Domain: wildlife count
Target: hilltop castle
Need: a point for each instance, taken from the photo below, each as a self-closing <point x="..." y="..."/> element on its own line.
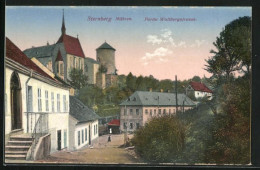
<point x="67" y="53"/>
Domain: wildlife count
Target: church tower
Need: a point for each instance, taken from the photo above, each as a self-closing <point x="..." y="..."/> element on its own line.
<point x="63" y="28"/>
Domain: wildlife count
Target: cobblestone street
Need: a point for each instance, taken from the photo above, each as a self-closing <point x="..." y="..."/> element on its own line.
<point x="102" y="152"/>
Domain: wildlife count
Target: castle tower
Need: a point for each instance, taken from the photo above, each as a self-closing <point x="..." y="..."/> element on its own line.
<point x="106" y="57"/>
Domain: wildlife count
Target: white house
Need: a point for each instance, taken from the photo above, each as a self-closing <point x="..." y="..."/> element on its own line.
<point x="35" y="104"/>
<point x="199" y="90"/>
<point x="83" y="125"/>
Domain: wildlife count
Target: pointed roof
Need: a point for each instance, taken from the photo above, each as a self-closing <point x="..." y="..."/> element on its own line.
<point x="197" y="86"/>
<point x="15" y="54"/>
<point x="59" y="57"/>
<point x="63" y="28"/>
<point x="72" y="45"/>
<point x="105" y="45"/>
<point x="146" y="98"/>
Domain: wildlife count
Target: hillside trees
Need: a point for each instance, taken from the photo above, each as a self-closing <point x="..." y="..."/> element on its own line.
<point x="78" y="78"/>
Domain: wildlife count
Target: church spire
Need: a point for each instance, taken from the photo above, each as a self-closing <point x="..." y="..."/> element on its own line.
<point x="63" y="28"/>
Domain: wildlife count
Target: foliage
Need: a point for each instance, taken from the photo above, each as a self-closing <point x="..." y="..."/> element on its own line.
<point x="196" y="78"/>
<point x="233" y="49"/>
<point x="78" y="78"/>
<point x="160" y="140"/>
<point x="102" y="69"/>
<point x="231" y="131"/>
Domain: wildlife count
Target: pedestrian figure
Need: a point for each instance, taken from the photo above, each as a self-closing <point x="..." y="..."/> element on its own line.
<point x="109" y="139"/>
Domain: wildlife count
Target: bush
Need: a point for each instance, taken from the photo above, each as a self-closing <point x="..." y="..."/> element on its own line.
<point x="160" y="140"/>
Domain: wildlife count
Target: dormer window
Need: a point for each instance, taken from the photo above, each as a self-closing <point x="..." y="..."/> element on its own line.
<point x="128" y="99"/>
<point x="134" y="99"/>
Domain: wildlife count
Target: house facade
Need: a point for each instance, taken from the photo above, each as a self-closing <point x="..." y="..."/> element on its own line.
<point x="141" y="106"/>
<point x="83" y="125"/>
<point x="34" y="99"/>
<point x="199" y="90"/>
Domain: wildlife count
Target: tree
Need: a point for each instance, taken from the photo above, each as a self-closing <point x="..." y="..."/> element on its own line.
<point x="233" y="49"/>
<point x="102" y="69"/>
<point x="131" y="81"/>
<point x="160" y="140"/>
<point x="196" y="78"/>
<point x="78" y="78"/>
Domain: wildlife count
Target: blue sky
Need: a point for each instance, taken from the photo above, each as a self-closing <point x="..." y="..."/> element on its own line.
<point x="142" y="47"/>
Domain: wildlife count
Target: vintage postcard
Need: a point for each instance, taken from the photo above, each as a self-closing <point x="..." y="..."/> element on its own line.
<point x="128" y="85"/>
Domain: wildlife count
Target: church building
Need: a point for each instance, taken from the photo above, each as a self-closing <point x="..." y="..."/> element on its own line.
<point x="61" y="57"/>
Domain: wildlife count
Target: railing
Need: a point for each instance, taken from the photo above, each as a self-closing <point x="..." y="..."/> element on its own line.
<point x="37" y="125"/>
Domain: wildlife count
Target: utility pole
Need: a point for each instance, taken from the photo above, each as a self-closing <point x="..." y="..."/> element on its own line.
<point x="176" y="93"/>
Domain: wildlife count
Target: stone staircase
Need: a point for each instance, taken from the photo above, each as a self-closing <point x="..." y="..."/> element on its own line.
<point x="17" y="147"/>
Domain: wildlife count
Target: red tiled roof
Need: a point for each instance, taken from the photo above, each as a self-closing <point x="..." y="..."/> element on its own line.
<point x="14" y="53"/>
<point x="59" y="57"/>
<point x="200" y="87"/>
<point x="72" y="45"/>
<point x="114" y="122"/>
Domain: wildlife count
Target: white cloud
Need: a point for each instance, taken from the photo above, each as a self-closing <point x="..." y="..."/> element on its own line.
<point x="198" y="43"/>
<point x="159" y="54"/>
<point x="166" y="33"/>
<point x="154" y="39"/>
<point x="182" y="44"/>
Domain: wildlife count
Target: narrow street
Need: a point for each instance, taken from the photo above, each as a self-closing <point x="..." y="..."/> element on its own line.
<point x="103" y="152"/>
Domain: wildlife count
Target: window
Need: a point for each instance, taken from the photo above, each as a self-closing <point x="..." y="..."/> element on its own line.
<point x="74" y="62"/>
<point x="151" y="112"/>
<point x="82" y="136"/>
<point x="96" y="129"/>
<point x="78" y="138"/>
<point x="131" y="125"/>
<point x="154" y="111"/>
<point x="61" y="69"/>
<point x="47" y="100"/>
<point x="64" y="103"/>
<point x="65" y="138"/>
<point x="134" y="99"/>
<point x="146" y="111"/>
<point x="125" y="125"/>
<point x="160" y="111"/>
<point x="170" y="111"/>
<point x="131" y="111"/>
<point x="174" y="111"/>
<point x="39" y="100"/>
<point x="164" y="111"/>
<point x="125" y="111"/>
<point x="137" y="125"/>
<point x="86" y="134"/>
<point x="52" y="101"/>
<point x="137" y="111"/>
<point x="79" y="64"/>
<point x="30" y="99"/>
<point x="57" y="66"/>
<point x="58" y="102"/>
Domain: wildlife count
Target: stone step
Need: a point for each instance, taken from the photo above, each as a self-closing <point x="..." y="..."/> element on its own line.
<point x="17" y="148"/>
<point x="16" y="152"/>
<point x="21" y="157"/>
<point x="20" y="143"/>
<point x="20" y="138"/>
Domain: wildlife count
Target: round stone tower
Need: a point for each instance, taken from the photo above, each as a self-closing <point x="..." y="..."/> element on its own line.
<point x="106" y="57"/>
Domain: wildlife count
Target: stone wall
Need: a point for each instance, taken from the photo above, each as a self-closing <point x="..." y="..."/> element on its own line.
<point x="111" y="80"/>
<point x="43" y="147"/>
<point x="101" y="80"/>
<point x="106" y="57"/>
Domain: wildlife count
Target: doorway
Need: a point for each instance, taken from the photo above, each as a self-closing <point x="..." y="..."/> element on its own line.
<point x="59" y="139"/>
<point x="16" y="102"/>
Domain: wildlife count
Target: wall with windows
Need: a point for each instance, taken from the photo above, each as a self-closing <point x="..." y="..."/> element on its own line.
<point x="40" y="100"/>
<point x="131" y="118"/>
<point x="74" y="62"/>
<point x="200" y="94"/>
<point x="81" y="133"/>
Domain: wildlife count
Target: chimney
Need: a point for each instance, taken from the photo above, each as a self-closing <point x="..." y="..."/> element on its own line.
<point x="151" y="89"/>
<point x="161" y="90"/>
